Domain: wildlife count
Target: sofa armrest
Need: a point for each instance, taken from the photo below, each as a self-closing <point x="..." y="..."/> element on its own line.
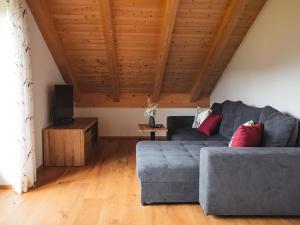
<point x="174" y="122"/>
<point x="250" y="181"/>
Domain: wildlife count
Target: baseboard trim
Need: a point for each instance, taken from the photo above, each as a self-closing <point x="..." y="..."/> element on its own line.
<point x="38" y="169"/>
<point x="5" y="186"/>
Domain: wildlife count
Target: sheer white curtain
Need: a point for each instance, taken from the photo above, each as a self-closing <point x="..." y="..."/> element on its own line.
<point x="24" y="149"/>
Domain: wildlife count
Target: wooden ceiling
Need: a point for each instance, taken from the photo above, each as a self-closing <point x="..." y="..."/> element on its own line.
<point x="118" y="52"/>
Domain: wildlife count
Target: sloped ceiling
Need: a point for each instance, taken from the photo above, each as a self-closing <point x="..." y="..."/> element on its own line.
<point x="116" y="53"/>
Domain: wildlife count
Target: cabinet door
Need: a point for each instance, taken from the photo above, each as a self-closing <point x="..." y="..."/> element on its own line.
<point x="62" y="148"/>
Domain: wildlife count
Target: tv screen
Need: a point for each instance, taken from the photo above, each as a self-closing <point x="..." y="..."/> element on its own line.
<point x="63" y="103"/>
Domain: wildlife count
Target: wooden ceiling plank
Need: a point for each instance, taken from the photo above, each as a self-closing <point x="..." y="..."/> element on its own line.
<point x="166" y="38"/>
<point x="42" y="17"/>
<point x="111" y="52"/>
<point x="230" y="19"/>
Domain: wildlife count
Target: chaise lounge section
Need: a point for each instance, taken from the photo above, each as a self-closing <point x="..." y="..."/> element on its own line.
<point x="169" y="170"/>
<point x="226" y="181"/>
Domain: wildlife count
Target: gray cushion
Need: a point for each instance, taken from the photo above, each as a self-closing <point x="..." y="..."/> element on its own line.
<point x="170" y="161"/>
<point x="182" y="134"/>
<point x="279" y="129"/>
<point x="216" y="108"/>
<point x="230" y="113"/>
<point x="247" y="113"/>
<point x="235" y="114"/>
<point x="298" y="137"/>
<point x="293" y="140"/>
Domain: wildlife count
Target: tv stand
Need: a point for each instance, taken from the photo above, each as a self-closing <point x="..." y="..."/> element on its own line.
<point x="70" y="144"/>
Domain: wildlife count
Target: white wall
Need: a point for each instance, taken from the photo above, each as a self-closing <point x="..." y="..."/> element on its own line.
<point x="45" y="75"/>
<point x="123" y="121"/>
<point x="266" y="68"/>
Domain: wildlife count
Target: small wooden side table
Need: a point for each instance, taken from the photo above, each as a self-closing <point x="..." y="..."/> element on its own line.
<point x="146" y="128"/>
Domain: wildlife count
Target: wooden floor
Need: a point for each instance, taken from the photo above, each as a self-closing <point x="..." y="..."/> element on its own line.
<point x="106" y="191"/>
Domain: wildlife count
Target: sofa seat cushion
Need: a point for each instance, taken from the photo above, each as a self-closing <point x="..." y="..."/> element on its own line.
<point x="170" y="161"/>
<point x="182" y="134"/>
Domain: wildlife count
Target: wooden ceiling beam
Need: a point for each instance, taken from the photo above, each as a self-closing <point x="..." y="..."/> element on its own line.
<point x="166" y="38"/>
<point x="42" y="17"/>
<point x="230" y="19"/>
<point x="139" y="100"/>
<point x="111" y="52"/>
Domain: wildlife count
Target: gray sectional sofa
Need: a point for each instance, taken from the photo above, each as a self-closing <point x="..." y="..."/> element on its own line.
<point x="191" y="167"/>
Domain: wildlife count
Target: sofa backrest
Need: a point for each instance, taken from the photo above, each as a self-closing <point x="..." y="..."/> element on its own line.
<point x="216" y="108"/>
<point x="174" y="122"/>
<point x="298" y="138"/>
<point x="294" y="138"/>
<point x="235" y="114"/>
<point x="280" y="130"/>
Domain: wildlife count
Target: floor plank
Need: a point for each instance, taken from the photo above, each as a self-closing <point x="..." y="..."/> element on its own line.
<point x="106" y="191"/>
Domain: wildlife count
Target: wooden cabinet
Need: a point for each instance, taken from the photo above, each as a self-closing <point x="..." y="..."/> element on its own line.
<point x="70" y="144"/>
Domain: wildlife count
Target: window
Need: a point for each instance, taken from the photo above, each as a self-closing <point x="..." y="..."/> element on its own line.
<point x="8" y="97"/>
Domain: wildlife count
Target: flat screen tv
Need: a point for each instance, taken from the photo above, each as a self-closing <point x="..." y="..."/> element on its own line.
<point x="63" y="104"/>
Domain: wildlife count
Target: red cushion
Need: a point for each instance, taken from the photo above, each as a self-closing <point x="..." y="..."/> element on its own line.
<point x="209" y="126"/>
<point x="247" y="136"/>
